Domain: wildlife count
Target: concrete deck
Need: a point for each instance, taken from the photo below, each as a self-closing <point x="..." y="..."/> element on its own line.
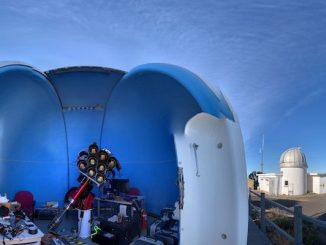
<point x="255" y="235"/>
<point x="312" y="204"/>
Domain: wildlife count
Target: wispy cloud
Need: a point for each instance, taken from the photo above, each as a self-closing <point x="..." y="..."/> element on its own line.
<point x="253" y="51"/>
<point x="304" y="100"/>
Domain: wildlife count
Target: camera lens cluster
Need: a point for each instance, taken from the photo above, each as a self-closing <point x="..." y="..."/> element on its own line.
<point x="97" y="163"/>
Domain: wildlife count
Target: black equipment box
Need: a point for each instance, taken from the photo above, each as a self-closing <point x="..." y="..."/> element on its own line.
<point x="46" y="213"/>
<point x="103" y="238"/>
<point x="148" y="241"/>
<point x="125" y="232"/>
<point x="157" y="226"/>
<point x="166" y="231"/>
<point x="168" y="237"/>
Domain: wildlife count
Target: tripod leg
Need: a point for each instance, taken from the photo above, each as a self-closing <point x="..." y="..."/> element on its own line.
<point x="57" y="220"/>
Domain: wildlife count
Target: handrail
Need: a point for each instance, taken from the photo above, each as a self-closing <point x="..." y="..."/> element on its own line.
<point x="264" y="219"/>
<point x="252" y="192"/>
<point x="296" y="212"/>
<point x="280" y="206"/>
<point x="280" y="230"/>
<point x="254" y="207"/>
<point x="314" y="221"/>
<point x="290" y="210"/>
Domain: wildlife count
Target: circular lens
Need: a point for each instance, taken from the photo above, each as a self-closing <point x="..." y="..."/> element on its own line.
<point x="83" y="154"/>
<point x="101" y="167"/>
<point x="91" y="172"/>
<point x="112" y="162"/>
<point x="100" y="178"/>
<point x="93" y="149"/>
<point x="103" y="155"/>
<point x="92" y="161"/>
<point x="82" y="165"/>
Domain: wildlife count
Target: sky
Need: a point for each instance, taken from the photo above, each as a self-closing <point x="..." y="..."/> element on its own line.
<point x="267" y="57"/>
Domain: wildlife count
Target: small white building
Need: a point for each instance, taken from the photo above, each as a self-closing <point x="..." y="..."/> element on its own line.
<point x="293" y="179"/>
<point x="317" y="183"/>
<point x="270" y="183"/>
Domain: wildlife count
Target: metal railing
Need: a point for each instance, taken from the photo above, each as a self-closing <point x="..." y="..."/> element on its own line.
<point x="298" y="217"/>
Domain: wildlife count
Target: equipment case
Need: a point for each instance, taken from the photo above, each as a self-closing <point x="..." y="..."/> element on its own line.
<point x="148" y="241"/>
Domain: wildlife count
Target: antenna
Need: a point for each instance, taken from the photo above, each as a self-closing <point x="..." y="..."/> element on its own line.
<point x="262" y="154"/>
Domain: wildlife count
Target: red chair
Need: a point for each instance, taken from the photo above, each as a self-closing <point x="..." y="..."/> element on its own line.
<point x="26" y="199"/>
<point x="134" y="191"/>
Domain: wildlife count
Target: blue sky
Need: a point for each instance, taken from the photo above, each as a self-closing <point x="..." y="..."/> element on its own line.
<point x="267" y="57"/>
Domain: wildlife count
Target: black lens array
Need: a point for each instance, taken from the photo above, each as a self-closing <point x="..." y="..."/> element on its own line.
<point x="97" y="164"/>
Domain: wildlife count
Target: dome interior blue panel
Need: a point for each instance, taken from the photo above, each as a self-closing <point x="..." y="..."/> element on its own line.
<point x="84" y="92"/>
<point x="142" y="115"/>
<point x="211" y="102"/>
<point x="46" y="121"/>
<point x="33" y="152"/>
<point x="80" y="86"/>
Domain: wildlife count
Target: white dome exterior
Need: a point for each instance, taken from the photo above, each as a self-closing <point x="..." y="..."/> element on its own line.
<point x="294" y="168"/>
<point x="293" y="158"/>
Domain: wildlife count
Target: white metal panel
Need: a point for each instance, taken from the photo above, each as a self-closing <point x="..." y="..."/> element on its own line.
<point x="263" y="184"/>
<point x="275" y="185"/>
<point x="270" y="183"/>
<point x="215" y="192"/>
<point x="278" y="182"/>
<point x="316" y="184"/>
<point x="280" y="185"/>
<point x="297" y="181"/>
<point x="322" y="185"/>
<point x="309" y="183"/>
<point x="272" y="186"/>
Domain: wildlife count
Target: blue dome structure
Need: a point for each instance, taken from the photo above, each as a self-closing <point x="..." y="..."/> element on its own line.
<point x="160" y="120"/>
<point x="33" y="146"/>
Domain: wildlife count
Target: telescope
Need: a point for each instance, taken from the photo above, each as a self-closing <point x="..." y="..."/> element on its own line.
<point x="95" y="166"/>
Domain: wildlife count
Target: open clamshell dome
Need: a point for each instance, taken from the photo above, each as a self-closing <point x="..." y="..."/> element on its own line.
<point x="148" y="106"/>
<point x="161" y="121"/>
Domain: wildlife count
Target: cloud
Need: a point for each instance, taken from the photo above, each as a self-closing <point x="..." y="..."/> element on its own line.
<point x="255" y="52"/>
<point x="306" y="100"/>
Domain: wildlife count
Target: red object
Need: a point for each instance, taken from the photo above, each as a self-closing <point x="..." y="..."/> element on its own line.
<point x="88" y="201"/>
<point x="144" y="220"/>
<point x="82" y="188"/>
<point x="80" y="200"/>
<point x="134" y="192"/>
<point x="57" y="220"/>
<point x="26" y="199"/>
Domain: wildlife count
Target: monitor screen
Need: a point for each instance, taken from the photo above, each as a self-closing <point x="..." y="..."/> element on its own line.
<point x="119" y="185"/>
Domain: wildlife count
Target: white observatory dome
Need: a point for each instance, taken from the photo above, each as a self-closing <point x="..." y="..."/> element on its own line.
<point x="293" y="158"/>
<point x="294" y="172"/>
